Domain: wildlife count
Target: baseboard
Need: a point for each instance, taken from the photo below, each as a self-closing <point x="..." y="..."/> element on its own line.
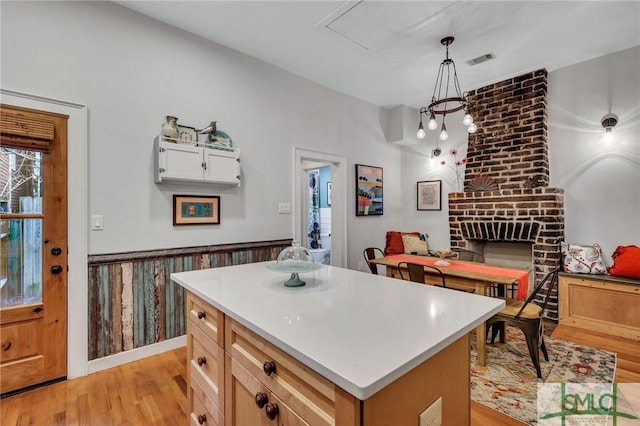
<point x="135" y="354"/>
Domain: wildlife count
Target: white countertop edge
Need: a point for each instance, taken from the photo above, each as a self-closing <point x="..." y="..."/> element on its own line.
<point x="362" y="392"/>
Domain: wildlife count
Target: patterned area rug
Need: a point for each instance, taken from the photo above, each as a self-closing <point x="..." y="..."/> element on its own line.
<point x="508" y="382"/>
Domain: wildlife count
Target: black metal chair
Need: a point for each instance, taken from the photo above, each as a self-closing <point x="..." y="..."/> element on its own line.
<point x="371" y="253"/>
<point x="527" y="316"/>
<point x="418" y="273"/>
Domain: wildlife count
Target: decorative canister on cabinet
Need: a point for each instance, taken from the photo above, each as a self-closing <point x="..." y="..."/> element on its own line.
<point x="169" y="130"/>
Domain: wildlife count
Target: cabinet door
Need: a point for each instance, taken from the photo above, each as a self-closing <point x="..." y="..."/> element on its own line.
<point x="240" y="402"/>
<point x="179" y="162"/>
<point x="221" y="166"/>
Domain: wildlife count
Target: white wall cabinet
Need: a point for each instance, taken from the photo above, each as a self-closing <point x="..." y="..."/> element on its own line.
<point x="189" y="163"/>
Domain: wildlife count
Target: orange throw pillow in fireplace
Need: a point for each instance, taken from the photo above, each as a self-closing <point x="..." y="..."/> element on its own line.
<point x="626" y="262"/>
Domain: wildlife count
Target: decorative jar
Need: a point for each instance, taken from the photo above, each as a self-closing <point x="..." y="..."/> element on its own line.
<point x="169" y="128"/>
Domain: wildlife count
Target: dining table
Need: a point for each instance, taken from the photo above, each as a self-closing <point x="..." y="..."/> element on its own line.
<point x="460" y="274"/>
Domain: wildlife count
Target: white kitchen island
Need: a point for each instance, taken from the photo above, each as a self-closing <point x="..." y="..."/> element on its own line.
<point x="349" y="348"/>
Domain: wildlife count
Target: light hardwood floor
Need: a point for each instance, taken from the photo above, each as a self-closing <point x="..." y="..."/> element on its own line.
<point x="152" y="391"/>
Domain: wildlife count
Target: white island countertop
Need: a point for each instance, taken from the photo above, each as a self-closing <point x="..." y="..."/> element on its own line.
<point x="359" y="330"/>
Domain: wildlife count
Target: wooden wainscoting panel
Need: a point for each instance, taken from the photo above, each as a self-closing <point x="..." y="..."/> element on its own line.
<point x="134" y="303"/>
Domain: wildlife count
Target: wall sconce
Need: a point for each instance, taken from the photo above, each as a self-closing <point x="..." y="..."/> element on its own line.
<point x="609" y="121"/>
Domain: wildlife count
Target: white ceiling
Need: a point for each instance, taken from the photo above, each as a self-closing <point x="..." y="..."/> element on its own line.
<point x="388" y="52"/>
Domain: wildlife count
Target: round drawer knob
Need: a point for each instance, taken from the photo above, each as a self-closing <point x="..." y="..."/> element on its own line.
<point x="202" y="419"/>
<point x="261" y="399"/>
<point x="272" y="411"/>
<point x="202" y="315"/>
<point x="269" y="367"/>
<point x="201" y="361"/>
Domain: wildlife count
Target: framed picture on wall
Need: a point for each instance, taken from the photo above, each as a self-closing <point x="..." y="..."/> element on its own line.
<point x="328" y="193"/>
<point x="196" y="210"/>
<point x="368" y="190"/>
<point x="429" y="194"/>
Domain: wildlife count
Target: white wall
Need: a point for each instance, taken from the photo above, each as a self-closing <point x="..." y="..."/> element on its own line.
<point x="131" y="71"/>
<point x="417" y="165"/>
<point x="601" y="183"/>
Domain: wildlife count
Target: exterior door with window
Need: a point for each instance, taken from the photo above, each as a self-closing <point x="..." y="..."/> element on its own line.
<point x="33" y="247"/>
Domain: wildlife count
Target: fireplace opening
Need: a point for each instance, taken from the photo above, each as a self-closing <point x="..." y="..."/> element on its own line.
<point x="508" y="254"/>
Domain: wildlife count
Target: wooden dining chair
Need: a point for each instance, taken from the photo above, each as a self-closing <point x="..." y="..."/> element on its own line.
<point x="527" y="316"/>
<point x="418" y="273"/>
<point x="371" y="253"/>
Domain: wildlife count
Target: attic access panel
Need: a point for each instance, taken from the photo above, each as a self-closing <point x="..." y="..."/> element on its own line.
<point x="369" y="24"/>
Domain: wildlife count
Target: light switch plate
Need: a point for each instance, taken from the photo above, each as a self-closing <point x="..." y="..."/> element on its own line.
<point x="97" y="222"/>
<point x="284" y="208"/>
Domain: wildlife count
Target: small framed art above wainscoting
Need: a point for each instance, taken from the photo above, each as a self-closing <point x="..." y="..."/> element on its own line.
<point x="132" y="301"/>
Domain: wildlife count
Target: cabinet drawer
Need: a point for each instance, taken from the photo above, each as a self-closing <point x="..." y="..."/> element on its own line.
<point x="204" y="411"/>
<point x="307" y="393"/>
<point x="206" y="363"/>
<point x="206" y="318"/>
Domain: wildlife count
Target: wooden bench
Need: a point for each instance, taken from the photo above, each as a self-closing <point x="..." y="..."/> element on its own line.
<point x="601" y="303"/>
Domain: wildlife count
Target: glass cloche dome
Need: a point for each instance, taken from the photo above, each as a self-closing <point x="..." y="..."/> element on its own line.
<point x="294" y="260"/>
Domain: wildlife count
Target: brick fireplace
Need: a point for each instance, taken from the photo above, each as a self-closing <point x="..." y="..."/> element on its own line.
<point x="507" y="198"/>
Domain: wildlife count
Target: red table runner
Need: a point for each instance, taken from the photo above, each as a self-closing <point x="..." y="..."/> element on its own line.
<point x="521" y="276"/>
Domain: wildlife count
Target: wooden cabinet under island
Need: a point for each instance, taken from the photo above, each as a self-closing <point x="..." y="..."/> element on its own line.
<point x="346" y="349"/>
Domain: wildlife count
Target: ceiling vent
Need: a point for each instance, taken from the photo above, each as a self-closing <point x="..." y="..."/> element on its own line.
<point x="480" y="59"/>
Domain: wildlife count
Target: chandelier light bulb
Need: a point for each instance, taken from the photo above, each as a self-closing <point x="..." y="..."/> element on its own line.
<point x="420" y="133"/>
<point x="443" y="134"/>
<point x="467" y="120"/>
<point x="432" y="124"/>
<point x="472" y="128"/>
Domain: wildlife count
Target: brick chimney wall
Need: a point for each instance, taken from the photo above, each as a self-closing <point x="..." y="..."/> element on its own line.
<point x="510" y="145"/>
<point x="511" y="148"/>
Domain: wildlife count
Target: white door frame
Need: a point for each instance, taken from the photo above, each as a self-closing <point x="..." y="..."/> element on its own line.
<point x="77" y="237"/>
<point x="338" y="199"/>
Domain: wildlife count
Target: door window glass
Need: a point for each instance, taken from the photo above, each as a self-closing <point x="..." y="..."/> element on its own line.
<point x="20" y="227"/>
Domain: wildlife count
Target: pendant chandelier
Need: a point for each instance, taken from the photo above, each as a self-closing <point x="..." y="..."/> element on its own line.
<point x="441" y="103"/>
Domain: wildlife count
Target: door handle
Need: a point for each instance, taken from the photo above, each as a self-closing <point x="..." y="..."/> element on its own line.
<point x="56" y="269"/>
<point x="56" y="251"/>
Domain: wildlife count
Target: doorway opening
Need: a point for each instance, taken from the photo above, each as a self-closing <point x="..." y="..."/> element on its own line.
<point x="319" y="214"/>
<point x="329" y="237"/>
